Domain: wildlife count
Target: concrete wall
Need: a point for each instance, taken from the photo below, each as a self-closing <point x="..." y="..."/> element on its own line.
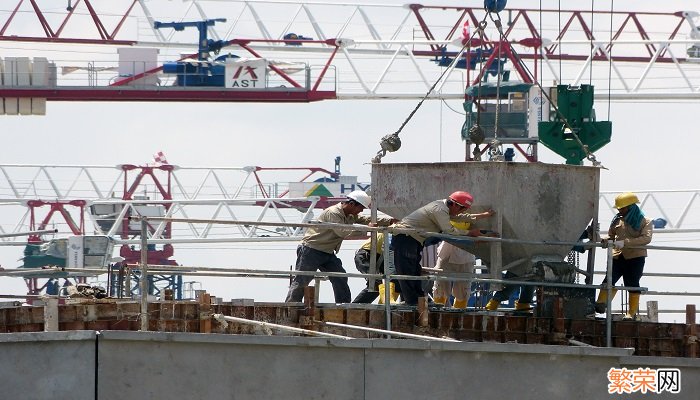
<point x="533" y="201"/>
<point x="47" y="365"/>
<point x="135" y="365"/>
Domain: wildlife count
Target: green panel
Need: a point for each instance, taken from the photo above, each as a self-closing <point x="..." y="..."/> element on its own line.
<point x="35" y="257"/>
<point x="510" y="124"/>
<point x="576" y="106"/>
<point x="593" y="134"/>
<point x="43" y="260"/>
<point x="489" y="89"/>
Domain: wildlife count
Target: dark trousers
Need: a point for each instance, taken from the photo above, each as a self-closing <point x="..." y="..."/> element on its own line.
<point x="362" y="259"/>
<point x="630" y="270"/>
<point x="407" y="256"/>
<point x="526" y="291"/>
<point x="309" y="259"/>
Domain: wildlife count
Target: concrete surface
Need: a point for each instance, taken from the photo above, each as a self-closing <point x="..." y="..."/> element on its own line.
<point x="47" y="365"/>
<point x="533" y="201"/>
<point x="152" y="365"/>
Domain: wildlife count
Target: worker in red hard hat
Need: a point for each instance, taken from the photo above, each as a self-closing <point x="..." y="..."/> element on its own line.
<point x="432" y="217"/>
<point x="319" y="246"/>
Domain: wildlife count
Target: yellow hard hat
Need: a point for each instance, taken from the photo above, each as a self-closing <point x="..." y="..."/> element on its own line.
<point x="625" y="199"/>
<point x="463" y="225"/>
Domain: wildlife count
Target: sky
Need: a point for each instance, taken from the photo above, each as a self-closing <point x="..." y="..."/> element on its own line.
<point x="653" y="148"/>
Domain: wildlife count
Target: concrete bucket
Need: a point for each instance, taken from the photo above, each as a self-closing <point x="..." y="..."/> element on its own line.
<point x="533" y="201"/>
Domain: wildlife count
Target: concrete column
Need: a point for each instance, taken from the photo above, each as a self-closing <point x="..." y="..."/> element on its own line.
<point x="50" y="315"/>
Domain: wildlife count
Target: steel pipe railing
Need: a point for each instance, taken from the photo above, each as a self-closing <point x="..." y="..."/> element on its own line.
<point x="147" y="270"/>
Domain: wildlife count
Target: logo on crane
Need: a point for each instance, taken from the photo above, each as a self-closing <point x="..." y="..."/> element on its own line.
<point x="246" y="74"/>
<point x="248" y="70"/>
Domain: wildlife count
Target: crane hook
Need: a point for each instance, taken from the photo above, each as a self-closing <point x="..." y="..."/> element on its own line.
<point x="389" y="143"/>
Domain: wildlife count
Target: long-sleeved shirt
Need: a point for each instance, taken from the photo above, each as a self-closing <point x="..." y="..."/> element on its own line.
<point x="367" y="245"/>
<point x="329" y="240"/>
<point x="621" y="231"/>
<point x="432" y="217"/>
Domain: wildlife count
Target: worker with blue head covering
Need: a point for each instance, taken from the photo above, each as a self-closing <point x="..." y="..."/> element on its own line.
<point x="629" y="228"/>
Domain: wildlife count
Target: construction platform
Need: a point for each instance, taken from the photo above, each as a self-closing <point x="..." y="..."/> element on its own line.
<point x="646" y="338"/>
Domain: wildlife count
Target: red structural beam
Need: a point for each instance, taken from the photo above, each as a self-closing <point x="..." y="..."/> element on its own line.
<point x="169" y="94"/>
<point x="51" y="35"/>
<point x="625" y="22"/>
<point x="56" y="207"/>
<point x="120" y="90"/>
<point x="453" y="17"/>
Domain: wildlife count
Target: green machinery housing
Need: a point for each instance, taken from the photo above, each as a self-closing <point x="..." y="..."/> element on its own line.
<point x="576" y="116"/>
<point x="515" y="100"/>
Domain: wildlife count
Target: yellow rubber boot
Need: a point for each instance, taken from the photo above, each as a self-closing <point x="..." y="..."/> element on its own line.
<point x="601" y="302"/>
<point x="460" y="303"/>
<point x="634" y="308"/>
<point x="440" y="300"/>
<point x="522" y="306"/>
<point x="492" y="305"/>
<point x="393" y="293"/>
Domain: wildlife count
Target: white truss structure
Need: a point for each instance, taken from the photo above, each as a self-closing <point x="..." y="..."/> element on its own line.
<point x="198" y="192"/>
<point x="388" y="34"/>
<point x="376" y="59"/>
<point x="226" y="194"/>
<point x="682" y="217"/>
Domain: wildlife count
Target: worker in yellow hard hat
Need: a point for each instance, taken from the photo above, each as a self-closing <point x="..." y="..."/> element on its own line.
<point x="628" y="228"/>
<point x="362" y="263"/>
<point x="452" y="259"/>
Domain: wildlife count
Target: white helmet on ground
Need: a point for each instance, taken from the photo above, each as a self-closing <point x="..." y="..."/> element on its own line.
<point x="360" y="197"/>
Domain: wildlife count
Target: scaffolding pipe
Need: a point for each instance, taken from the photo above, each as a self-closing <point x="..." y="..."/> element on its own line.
<point x="608" y="301"/>
<point x="386" y="332"/>
<point x="29" y="233"/>
<point x="365" y="228"/>
<point x="223" y="318"/>
<point x="144" y="274"/>
<point x="388" y="263"/>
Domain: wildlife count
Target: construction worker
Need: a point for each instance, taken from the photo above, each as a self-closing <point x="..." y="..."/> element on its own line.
<point x="628" y="228"/>
<point x="453" y="259"/>
<point x="319" y="246"/>
<point x="524" y="299"/>
<point x="432" y="217"/>
<point x="362" y="261"/>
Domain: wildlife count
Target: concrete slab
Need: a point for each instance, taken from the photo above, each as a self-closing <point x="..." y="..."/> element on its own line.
<point x="47" y="365"/>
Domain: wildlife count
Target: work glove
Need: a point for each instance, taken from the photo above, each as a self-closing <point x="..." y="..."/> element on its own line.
<point x="619" y="244"/>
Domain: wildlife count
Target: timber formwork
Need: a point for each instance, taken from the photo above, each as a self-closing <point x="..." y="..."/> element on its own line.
<point x="647" y="338"/>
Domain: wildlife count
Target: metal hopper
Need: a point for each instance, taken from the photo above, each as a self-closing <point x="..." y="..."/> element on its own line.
<point x="534" y="202"/>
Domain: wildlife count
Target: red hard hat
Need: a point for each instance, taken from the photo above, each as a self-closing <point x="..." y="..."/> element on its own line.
<point x="464" y="199"/>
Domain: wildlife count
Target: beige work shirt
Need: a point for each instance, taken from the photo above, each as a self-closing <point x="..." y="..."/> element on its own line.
<point x="329" y="240"/>
<point x="367" y="245"/>
<point x="432" y="217"/>
<point x="642" y="237"/>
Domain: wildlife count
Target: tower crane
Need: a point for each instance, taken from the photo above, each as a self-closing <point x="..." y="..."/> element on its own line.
<point x="366" y="59"/>
<point x="155" y="190"/>
<point x="347" y="55"/>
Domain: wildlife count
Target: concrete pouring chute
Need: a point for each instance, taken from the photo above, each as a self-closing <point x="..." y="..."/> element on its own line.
<point x="533" y="202"/>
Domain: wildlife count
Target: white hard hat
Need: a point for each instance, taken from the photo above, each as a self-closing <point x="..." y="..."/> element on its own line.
<point x="360" y="197"/>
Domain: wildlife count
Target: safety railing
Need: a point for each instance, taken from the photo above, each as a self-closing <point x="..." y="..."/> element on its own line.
<point x="145" y="270"/>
